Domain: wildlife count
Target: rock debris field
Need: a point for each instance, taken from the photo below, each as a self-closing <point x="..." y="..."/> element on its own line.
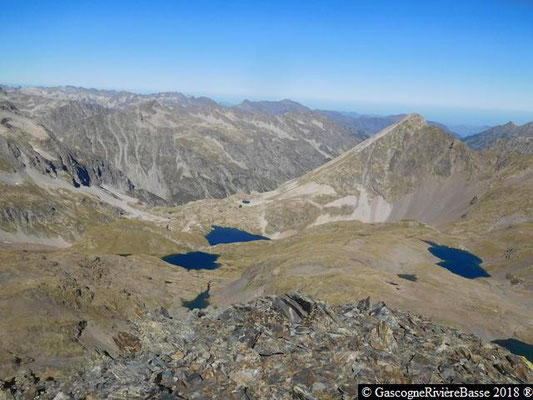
<point x="284" y="347"/>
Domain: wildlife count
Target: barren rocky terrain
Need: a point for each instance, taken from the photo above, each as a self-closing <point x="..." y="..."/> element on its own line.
<point x="289" y="346"/>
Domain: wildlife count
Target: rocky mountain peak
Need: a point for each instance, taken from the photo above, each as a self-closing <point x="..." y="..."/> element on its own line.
<point x="408" y="125"/>
<point x="413" y="121"/>
<point x="386" y="178"/>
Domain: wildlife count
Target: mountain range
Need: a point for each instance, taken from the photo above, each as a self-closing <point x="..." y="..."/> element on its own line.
<point x="99" y="186"/>
<point x="181" y="148"/>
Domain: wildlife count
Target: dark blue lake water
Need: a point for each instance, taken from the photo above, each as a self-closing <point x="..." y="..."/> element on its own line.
<point x="194" y="260"/>
<point x="220" y="234"/>
<point x="459" y="262"/>
<point x="200" y="301"/>
<point x="517" y="347"/>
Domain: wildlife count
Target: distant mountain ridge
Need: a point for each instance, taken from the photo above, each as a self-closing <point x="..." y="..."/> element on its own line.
<point x="365" y="124"/>
<point x="372" y="124"/>
<point x="508" y="137"/>
<point x="273" y="107"/>
<point x="463" y="130"/>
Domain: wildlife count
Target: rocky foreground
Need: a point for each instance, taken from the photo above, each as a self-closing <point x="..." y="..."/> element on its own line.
<point x="278" y="348"/>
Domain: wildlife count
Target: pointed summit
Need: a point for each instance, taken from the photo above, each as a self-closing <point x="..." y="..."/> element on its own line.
<point x="388" y="176"/>
<point x="415" y="118"/>
<point x="409" y="124"/>
<point x="411" y="121"/>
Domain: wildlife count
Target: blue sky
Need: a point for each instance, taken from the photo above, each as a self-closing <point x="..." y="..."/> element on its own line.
<point x="459" y="61"/>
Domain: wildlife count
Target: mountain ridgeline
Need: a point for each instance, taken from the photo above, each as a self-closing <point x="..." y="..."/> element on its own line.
<point x="411" y="169"/>
<point x="180" y="148"/>
<point x="508" y="137"/>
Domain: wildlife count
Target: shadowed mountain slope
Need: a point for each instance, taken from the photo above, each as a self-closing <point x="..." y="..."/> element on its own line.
<point x="49" y="194"/>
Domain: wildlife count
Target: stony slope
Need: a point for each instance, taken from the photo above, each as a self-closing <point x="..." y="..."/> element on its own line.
<point x="28" y="144"/>
<point x="504" y="137"/>
<point x="30" y="147"/>
<point x="288" y="346"/>
<point x="213" y="152"/>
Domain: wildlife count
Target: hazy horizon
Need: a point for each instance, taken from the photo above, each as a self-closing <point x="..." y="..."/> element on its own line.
<point x="446" y="115"/>
<point x="457" y="62"/>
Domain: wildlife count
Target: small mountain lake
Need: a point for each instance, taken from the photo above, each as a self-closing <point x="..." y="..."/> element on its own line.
<point x="194" y="260"/>
<point x="517" y="347"/>
<point x="200" y="301"/>
<point x="198" y="260"/>
<point x="459" y="262"/>
<point x="220" y="234"/>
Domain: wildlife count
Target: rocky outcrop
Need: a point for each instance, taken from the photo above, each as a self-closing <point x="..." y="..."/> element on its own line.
<point x="289" y="346"/>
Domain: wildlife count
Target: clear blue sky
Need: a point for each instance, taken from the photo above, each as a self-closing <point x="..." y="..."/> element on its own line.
<point x="454" y="60"/>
